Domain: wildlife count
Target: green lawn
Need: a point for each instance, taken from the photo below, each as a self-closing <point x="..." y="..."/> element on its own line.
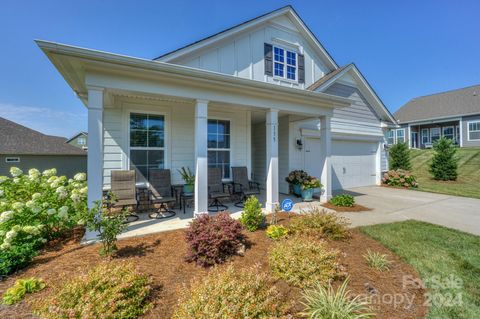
<point x="438" y="253"/>
<point x="468" y="182"/>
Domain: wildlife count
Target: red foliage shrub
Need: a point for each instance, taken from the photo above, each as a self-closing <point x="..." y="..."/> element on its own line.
<point x="212" y="239"/>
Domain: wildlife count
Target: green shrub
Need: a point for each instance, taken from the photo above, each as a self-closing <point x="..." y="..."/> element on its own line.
<point x="302" y="261"/>
<point x="276" y="231"/>
<point x="213" y="239"/>
<point x="20" y="288"/>
<point x="34" y="208"/>
<point x="108" y="225"/>
<point x="319" y="223"/>
<point x="343" y="200"/>
<point x="230" y="293"/>
<point x="399" y="178"/>
<point x="111" y="290"/>
<point x="377" y="261"/>
<point x="399" y="157"/>
<point x="321" y="302"/>
<point x="252" y="216"/>
<point x="445" y="162"/>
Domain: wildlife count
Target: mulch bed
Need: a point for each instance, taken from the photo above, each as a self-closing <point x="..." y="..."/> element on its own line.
<point x="162" y="257"/>
<point x="356" y="208"/>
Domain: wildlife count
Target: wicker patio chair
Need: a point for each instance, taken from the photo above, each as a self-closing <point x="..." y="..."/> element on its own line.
<point x="161" y="192"/>
<point x="243" y="186"/>
<point x="216" y="190"/>
<point x="124" y="189"/>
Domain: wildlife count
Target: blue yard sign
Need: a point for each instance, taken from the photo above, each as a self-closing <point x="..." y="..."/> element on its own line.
<point x="287" y="205"/>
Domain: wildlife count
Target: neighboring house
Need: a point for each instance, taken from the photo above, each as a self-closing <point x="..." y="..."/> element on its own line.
<point x="79" y="140"/>
<point x="25" y="148"/>
<point x="453" y="114"/>
<point x="264" y="94"/>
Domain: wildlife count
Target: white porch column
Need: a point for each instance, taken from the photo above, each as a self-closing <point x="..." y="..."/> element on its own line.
<point x="272" y="160"/>
<point x="95" y="145"/>
<point x="326" y="150"/>
<point x="201" y="160"/>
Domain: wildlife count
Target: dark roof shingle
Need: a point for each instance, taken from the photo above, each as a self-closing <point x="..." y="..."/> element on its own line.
<point x="16" y="139"/>
<point x="315" y="85"/>
<point x="451" y="103"/>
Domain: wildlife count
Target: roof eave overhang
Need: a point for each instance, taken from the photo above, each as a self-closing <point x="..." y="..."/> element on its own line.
<point x="60" y="55"/>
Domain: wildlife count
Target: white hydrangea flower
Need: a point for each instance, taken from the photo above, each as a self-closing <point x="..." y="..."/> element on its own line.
<point x="36" y="196"/>
<point x="80" y="177"/>
<point x="45" y="205"/>
<point x="30" y="203"/>
<point x="33" y="172"/>
<point x="17" y="228"/>
<point x="5" y="246"/>
<point x="36" y="209"/>
<point x="81" y="222"/>
<point x="17" y="206"/>
<point x="51" y="179"/>
<point x="3" y="179"/>
<point x="75" y="197"/>
<point x="61" y="189"/>
<point x="50" y="172"/>
<point x="15" y="171"/>
<point x="10" y="234"/>
<point x="84" y="190"/>
<point x="16" y="180"/>
<point x="33" y="230"/>
<point x="51" y="211"/>
<point x="6" y="216"/>
<point x="63" y="212"/>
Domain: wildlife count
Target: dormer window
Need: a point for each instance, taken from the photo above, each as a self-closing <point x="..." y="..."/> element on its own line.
<point x="285" y="63"/>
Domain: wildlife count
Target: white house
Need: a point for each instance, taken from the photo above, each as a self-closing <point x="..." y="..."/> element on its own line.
<point x="264" y="94"/>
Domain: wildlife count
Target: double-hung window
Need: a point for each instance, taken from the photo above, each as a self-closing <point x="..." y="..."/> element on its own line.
<point x="147" y="144"/>
<point x="219" y="146"/>
<point x="425" y="136"/>
<point x="448" y="132"/>
<point x="474" y="131"/>
<point x="391" y="137"/>
<point x="434" y="134"/>
<point x="401" y="135"/>
<point x="284" y="63"/>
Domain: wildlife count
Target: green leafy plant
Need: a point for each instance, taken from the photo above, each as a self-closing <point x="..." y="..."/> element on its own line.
<point x="303" y="261"/>
<point x="21" y="288"/>
<point x="377" y="261"/>
<point x="276" y="231"/>
<point x="187" y="175"/>
<point x="399" y="157"/>
<point x="213" y="239"/>
<point x="321" y="302"/>
<point x="252" y="217"/>
<point x="445" y="162"/>
<point x="319" y="223"/>
<point x="34" y="208"/>
<point x="296" y="177"/>
<point x="311" y="182"/>
<point x="108" y="225"/>
<point x="343" y="200"/>
<point x="400" y="178"/>
<point x="231" y="293"/>
<point x="113" y="290"/>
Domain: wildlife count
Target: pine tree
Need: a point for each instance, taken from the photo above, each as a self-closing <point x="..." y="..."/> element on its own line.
<point x="400" y="157"/>
<point x="445" y="162"/>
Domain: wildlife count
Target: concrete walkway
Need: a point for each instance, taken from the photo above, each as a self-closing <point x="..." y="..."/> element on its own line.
<point x="390" y="205"/>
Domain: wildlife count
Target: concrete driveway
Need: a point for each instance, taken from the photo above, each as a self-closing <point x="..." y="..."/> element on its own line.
<point x="390" y="205"/>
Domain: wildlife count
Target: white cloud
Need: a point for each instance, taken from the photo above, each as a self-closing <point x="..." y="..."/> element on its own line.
<point x="44" y="119"/>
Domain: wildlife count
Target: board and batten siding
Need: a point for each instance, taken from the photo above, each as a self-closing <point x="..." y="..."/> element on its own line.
<point x="243" y="55"/>
<point x="179" y="143"/>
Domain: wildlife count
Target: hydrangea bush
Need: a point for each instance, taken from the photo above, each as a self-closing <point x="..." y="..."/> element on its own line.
<point x="35" y="208"/>
<point x="400" y="178"/>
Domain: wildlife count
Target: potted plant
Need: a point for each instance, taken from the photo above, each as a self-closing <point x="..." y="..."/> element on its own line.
<point x="308" y="186"/>
<point x="295" y="178"/>
<point x="188" y="178"/>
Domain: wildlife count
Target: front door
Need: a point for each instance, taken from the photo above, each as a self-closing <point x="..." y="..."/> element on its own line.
<point x="312" y="157"/>
<point x="414" y="139"/>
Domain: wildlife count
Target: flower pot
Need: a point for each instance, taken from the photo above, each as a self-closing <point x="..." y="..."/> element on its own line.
<point x="307" y="194"/>
<point x="297" y="189"/>
<point x="188" y="188"/>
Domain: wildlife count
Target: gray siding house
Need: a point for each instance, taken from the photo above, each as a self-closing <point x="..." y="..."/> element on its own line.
<point x="26" y="148"/>
<point x="79" y="140"/>
<point x="453" y="114"/>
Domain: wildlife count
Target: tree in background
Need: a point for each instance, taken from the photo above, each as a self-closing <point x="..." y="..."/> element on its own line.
<point x="445" y="162"/>
<point x="399" y="157"/>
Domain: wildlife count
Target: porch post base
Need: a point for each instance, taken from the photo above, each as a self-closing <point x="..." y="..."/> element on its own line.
<point x="270" y="207"/>
<point x="324" y="198"/>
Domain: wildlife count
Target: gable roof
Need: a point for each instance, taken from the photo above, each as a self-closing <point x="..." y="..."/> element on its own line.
<point x="20" y="140"/>
<point x="75" y="136"/>
<point x="286" y="10"/>
<point x="464" y="101"/>
<point x="324" y="82"/>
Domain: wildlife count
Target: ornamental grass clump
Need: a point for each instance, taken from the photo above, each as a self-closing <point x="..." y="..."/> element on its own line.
<point x="231" y="293"/>
<point x="252" y="217"/>
<point x="34" y="208"/>
<point x="319" y="223"/>
<point x="377" y="260"/>
<point x="303" y="261"/>
<point x="113" y="290"/>
<point x="399" y="178"/>
<point x="213" y="239"/>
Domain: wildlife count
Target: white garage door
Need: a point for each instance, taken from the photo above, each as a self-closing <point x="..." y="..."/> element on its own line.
<point x="353" y="164"/>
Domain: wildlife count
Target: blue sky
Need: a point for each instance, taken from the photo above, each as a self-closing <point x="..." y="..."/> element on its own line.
<point x="404" y="48"/>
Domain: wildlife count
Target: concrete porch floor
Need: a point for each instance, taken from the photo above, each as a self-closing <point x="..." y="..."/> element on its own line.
<point x="146" y="225"/>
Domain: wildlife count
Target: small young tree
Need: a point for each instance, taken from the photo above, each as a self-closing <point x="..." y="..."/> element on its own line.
<point x="445" y="162"/>
<point x="400" y="157"/>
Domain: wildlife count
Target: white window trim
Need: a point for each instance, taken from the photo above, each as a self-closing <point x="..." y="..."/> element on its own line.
<point x="284" y="77"/>
<point x="396" y="135"/>
<point x="429" y="141"/>
<point x="230" y="150"/>
<point x="392" y="137"/>
<point x="453" y="131"/>
<point x="468" y="130"/>
<point x="12" y="159"/>
<point x="439" y="133"/>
